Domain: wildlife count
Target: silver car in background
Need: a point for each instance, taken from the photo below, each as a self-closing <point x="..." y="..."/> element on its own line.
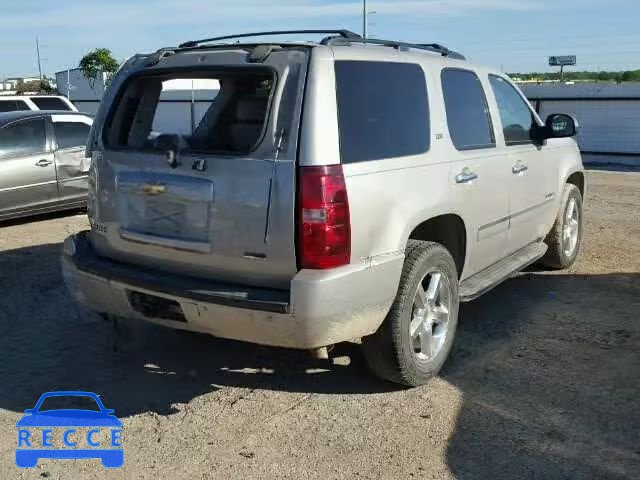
<point x="43" y="167"/>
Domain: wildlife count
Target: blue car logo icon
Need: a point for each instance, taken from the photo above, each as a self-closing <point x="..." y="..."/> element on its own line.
<point x="29" y="452"/>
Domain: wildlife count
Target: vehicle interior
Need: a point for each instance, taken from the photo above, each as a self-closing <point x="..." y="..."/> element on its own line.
<point x="232" y="123"/>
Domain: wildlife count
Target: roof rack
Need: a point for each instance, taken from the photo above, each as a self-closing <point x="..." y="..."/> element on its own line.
<point x="346" y="34"/>
<point x="431" y="47"/>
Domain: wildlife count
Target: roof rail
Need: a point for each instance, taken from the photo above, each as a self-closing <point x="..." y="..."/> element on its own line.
<point x="340" y="34"/>
<point x="431" y="47"/>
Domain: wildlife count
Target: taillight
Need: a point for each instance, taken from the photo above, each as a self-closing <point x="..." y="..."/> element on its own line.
<point x="325" y="227"/>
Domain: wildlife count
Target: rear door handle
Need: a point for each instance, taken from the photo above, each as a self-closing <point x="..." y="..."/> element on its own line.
<point x="44" y="163"/>
<point x="519" y="168"/>
<point x="466" y="176"/>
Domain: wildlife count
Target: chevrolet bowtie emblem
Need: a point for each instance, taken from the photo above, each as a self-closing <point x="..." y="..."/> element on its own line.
<point x="154" y="189"/>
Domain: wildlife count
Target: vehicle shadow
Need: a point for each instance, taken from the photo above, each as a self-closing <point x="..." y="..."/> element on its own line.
<point x="548" y="366"/>
<point x="42" y="217"/>
<point x="49" y="343"/>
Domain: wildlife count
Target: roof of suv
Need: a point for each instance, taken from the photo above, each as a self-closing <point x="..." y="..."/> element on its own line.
<point x="7" y="117"/>
<point x="28" y="97"/>
<point x="337" y="40"/>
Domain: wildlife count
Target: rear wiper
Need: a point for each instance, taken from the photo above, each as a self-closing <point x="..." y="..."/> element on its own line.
<point x="172" y="145"/>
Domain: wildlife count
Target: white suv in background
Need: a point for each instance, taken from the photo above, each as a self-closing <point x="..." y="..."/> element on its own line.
<point x="35" y="102"/>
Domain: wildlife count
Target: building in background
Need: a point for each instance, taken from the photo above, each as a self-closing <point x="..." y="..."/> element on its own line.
<point x="608" y="113"/>
<point x="85" y="93"/>
<point x="182" y="101"/>
<point x="9" y="85"/>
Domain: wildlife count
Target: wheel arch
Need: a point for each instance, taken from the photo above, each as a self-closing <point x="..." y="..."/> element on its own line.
<point x="450" y="231"/>
<point x="577" y="179"/>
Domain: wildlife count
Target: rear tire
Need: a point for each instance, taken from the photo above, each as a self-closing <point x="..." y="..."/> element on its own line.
<point x="565" y="237"/>
<point x="413" y="342"/>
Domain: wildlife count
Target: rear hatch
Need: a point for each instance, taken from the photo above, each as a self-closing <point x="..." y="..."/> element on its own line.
<point x="195" y="162"/>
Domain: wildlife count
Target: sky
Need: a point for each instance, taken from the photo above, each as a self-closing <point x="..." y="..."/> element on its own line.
<point x="514" y="35"/>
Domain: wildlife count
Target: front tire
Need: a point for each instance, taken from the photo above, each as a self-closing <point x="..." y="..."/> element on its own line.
<point x="565" y="237"/>
<point x="413" y="342"/>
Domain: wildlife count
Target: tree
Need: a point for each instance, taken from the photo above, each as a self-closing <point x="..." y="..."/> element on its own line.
<point x="37" y="86"/>
<point x="98" y="61"/>
<point x="630" y="76"/>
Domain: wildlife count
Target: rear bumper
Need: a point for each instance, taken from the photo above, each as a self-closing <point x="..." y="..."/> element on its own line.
<point x="321" y="308"/>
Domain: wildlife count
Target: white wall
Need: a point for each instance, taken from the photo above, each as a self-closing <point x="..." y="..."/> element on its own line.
<point x="173" y="114"/>
<point x="609" y="116"/>
<point x="606" y="125"/>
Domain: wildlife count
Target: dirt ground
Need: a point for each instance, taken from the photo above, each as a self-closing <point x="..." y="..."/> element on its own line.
<point x="543" y="382"/>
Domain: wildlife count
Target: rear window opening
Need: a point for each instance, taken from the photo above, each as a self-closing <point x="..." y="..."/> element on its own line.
<point x="209" y="112"/>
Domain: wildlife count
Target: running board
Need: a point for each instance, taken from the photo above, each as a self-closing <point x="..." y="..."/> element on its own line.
<point x="490" y="277"/>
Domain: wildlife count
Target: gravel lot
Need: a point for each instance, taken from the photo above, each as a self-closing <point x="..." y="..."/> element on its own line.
<point x="544" y="380"/>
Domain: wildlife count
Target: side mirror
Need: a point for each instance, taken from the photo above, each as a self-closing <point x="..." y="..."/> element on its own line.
<point x="560" y="125"/>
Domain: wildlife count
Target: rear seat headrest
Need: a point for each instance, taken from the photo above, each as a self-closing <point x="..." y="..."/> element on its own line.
<point x="251" y="110"/>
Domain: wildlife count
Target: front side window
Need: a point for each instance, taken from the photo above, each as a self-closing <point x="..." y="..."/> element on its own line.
<point x="467" y="111"/>
<point x="50" y="103"/>
<point x="23" y="138"/>
<point x="516" y="116"/>
<point x="383" y="110"/>
<point x="71" y="134"/>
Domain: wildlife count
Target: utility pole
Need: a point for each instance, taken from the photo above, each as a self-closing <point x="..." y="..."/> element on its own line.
<point x="38" y="52"/>
<point x="364" y="19"/>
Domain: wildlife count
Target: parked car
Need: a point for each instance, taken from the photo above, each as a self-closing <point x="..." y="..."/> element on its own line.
<point x="337" y="190"/>
<point x="12" y="103"/>
<point x="43" y="166"/>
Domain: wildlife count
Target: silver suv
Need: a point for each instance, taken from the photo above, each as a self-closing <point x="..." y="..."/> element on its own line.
<point x="336" y="190"/>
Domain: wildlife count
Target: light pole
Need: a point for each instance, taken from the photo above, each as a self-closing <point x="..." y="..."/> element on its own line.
<point x="38" y="53"/>
<point x="364" y="18"/>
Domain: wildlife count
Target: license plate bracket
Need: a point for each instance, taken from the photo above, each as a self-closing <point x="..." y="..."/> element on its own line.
<point x="156" y="307"/>
<point x="175" y="213"/>
<point x="165" y="218"/>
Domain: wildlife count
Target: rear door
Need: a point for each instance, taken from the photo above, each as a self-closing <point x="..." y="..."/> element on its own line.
<point x="72" y="167"/>
<point x="478" y="170"/>
<point x="218" y="202"/>
<point x="27" y="169"/>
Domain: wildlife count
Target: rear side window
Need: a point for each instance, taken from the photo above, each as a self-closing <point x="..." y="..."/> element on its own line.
<point x="467" y="111"/>
<point x="383" y="110"/>
<point x="50" y="103"/>
<point x="515" y="114"/>
<point x="71" y="134"/>
<point x="13" y="105"/>
<point x="23" y="138"/>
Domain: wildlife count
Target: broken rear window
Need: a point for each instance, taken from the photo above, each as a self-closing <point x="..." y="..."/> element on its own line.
<point x="223" y="112"/>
